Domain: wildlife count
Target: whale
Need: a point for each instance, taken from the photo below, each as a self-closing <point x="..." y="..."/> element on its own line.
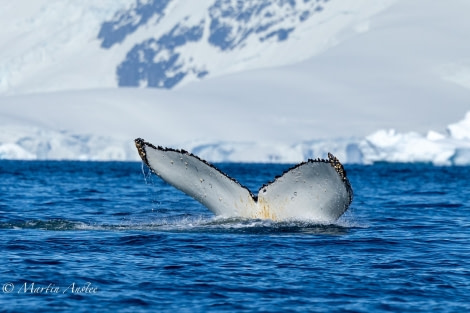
<point x="314" y="190"/>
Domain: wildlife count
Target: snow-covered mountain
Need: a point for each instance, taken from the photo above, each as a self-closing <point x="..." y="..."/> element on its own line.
<point x="52" y="45"/>
<point x="264" y="80"/>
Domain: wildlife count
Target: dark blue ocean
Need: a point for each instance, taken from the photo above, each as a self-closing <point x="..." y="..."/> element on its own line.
<point x="106" y="237"/>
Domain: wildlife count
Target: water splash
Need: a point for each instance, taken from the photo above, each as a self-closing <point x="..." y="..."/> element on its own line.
<point x="189" y="224"/>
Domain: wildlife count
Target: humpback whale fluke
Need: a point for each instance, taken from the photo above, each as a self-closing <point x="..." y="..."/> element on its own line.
<point x="315" y="190"/>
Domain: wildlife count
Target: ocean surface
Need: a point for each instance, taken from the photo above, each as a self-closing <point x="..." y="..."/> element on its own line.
<point x="110" y="237"/>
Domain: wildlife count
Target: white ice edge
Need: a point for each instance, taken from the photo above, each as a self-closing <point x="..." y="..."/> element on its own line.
<point x="450" y="148"/>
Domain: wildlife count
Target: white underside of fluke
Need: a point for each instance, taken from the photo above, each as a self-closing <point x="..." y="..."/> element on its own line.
<point x="313" y="190"/>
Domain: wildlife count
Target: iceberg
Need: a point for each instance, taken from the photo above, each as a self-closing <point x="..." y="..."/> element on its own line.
<point x="32" y="143"/>
<point x="451" y="148"/>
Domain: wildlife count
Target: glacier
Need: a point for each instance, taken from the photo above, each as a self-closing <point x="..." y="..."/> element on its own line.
<point x="236" y="81"/>
<point x="388" y="145"/>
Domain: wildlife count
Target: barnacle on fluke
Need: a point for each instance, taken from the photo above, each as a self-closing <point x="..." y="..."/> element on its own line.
<point x="315" y="190"/>
<point x="342" y="172"/>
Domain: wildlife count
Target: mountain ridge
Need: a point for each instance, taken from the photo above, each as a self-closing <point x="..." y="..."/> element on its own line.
<point x="164" y="44"/>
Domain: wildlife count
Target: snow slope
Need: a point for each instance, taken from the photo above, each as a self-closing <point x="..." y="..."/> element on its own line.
<point x="50" y="45"/>
<point x="389" y="85"/>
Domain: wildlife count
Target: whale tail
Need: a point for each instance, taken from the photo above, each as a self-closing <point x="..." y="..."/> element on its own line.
<point x="315" y="190"/>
